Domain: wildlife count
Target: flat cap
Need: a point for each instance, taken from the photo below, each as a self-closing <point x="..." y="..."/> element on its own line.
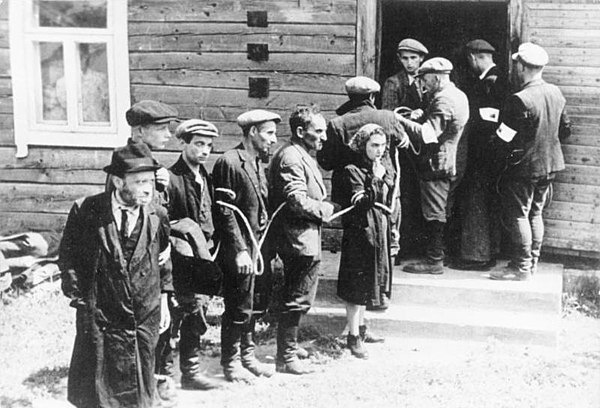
<point x="196" y="127"/>
<point x="437" y="65"/>
<point x="480" y="45"/>
<point x="408" y="44"/>
<point x="531" y="54"/>
<point x="150" y="112"/>
<point x="131" y="158"/>
<point x="257" y="116"/>
<point x="361" y="85"/>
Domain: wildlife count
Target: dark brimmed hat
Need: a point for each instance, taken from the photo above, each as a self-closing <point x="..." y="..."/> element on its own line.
<point x="480" y="46"/>
<point x="132" y="158"/>
<point x="148" y="112"/>
<point x="437" y="65"/>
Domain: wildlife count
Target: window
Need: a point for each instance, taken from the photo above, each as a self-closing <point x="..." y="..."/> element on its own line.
<point x="68" y="59"/>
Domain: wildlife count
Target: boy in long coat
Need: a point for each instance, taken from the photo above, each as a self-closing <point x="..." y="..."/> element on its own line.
<point x="109" y="261"/>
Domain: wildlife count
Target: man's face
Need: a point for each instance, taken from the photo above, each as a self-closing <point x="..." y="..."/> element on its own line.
<point x="429" y="83"/>
<point x="136" y="189"/>
<point x="315" y="133"/>
<point x="262" y="137"/>
<point x="472" y="61"/>
<point x="197" y="151"/>
<point x="375" y="147"/>
<point x="411" y="61"/>
<point x="155" y="135"/>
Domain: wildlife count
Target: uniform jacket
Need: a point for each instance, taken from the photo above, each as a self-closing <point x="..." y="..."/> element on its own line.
<point x="397" y="91"/>
<point x="336" y="154"/>
<point x="118" y="304"/>
<point x="447" y="114"/>
<point x="296" y="180"/>
<point x="537" y="114"/>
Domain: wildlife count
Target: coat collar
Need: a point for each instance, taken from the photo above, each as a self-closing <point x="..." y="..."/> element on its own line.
<point x="311" y="164"/>
<point x="350" y="106"/>
<point x="248" y="163"/>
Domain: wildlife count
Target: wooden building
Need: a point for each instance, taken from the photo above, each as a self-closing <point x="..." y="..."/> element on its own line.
<point x="70" y="69"/>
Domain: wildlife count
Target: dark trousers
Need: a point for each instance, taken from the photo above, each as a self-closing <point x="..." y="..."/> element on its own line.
<point x="301" y="278"/>
<point x="523" y="201"/>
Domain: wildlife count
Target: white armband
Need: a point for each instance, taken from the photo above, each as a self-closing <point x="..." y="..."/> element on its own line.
<point x="505" y="133"/>
<point x="489" y="114"/>
<point x="428" y="134"/>
<point x="357" y="196"/>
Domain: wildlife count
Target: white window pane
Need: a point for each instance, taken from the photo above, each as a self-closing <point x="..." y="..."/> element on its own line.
<point x="54" y="94"/>
<point x="95" y="106"/>
<point x="72" y="13"/>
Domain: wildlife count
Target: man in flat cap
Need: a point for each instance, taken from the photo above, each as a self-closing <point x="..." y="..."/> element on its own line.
<point x="481" y="228"/>
<point x="296" y="180"/>
<point x="533" y="122"/>
<point x="336" y="154"/>
<point x="109" y="262"/>
<point x="189" y="204"/>
<point x="437" y="134"/>
<point x="239" y="179"/>
<point x="403" y="90"/>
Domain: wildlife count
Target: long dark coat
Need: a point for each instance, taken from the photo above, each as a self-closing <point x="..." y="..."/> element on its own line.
<point x="118" y="304"/>
<point x="365" y="264"/>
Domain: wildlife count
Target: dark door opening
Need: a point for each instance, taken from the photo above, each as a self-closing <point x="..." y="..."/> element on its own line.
<point x="444" y="28"/>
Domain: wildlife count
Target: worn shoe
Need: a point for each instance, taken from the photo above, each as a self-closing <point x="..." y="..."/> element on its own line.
<point x="367" y="337"/>
<point x="234" y="372"/>
<point x="258" y="369"/>
<point x="467" y="265"/>
<point x="302" y="353"/>
<point x="510" y="274"/>
<point x="198" y="382"/>
<point x="295" y="367"/>
<point x="424" y="267"/>
<point x="355" y="345"/>
<point x="166" y="392"/>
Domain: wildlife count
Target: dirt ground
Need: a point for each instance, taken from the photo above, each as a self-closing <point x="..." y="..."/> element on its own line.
<point x="36" y="338"/>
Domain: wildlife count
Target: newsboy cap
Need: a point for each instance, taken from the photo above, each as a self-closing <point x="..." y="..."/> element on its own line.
<point x="531" y="54"/>
<point x="408" y="44"/>
<point x="257" y="116"/>
<point x="437" y="65"/>
<point x="196" y="127"/>
<point x="361" y="85"/>
<point x="132" y="158"/>
<point x="480" y="45"/>
<point x="150" y="112"/>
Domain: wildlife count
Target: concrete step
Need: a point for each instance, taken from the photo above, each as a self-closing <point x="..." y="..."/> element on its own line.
<point x="446" y="323"/>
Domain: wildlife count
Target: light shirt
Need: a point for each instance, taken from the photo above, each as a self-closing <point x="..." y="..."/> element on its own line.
<point x="484" y="73"/>
<point x="411" y="79"/>
<point x="133" y="213"/>
<point x="196" y="170"/>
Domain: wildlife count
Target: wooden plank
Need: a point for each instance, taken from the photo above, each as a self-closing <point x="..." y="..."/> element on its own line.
<point x="3" y="10"/>
<point x="278" y="81"/>
<point x="576" y="193"/>
<point x="563" y="22"/>
<point x="589" y="243"/>
<point x="321" y="12"/>
<point x="6" y="104"/>
<point x="366" y="40"/>
<point x="18" y="222"/>
<point x="587" y="139"/>
<point x="220" y="37"/>
<point x="560" y="37"/>
<point x="573" y="76"/>
<point x="563" y="5"/>
<point x="4" y="62"/>
<point x="582" y="155"/>
<point x="43" y="198"/>
<point x="583" y="110"/>
<point x="4" y="34"/>
<point x="570" y="211"/>
<point x="53" y="176"/>
<point x="574" y="174"/>
<point x="341" y="64"/>
<point x="215" y="97"/>
<point x="5" y="87"/>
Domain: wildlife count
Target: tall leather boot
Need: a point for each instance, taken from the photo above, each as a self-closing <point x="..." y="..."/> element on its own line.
<point x="192" y="377"/>
<point x="247" y="347"/>
<point x="287" y="345"/>
<point x="434" y="260"/>
<point x="233" y="370"/>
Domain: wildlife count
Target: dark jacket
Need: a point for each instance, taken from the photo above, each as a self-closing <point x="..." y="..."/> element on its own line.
<point x="118" y="304"/>
<point x="397" y="91"/>
<point x="537" y="114"/>
<point x="365" y="263"/>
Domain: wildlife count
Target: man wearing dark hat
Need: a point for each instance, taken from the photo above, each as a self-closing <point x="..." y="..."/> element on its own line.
<point x="481" y="230"/>
<point x="403" y="90"/>
<point x="336" y="154"/>
<point x="189" y="202"/>
<point x="296" y="181"/>
<point x="109" y="262"/>
<point x="239" y="179"/>
<point x="437" y="135"/>
<point x="532" y="125"/>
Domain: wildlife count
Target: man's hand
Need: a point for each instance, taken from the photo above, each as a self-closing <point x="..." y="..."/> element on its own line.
<point x="244" y="263"/>
<point x="378" y="169"/>
<point x="162" y="177"/>
<point x="165" y="315"/>
<point x="416" y="114"/>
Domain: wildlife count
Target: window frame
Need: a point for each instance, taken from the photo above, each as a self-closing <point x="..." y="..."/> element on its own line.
<point x="25" y="37"/>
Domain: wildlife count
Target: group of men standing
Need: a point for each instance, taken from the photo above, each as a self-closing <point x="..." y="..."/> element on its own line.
<point x="139" y="260"/>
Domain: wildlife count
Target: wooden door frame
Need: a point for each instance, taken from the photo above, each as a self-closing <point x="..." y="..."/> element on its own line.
<point x="368" y="33"/>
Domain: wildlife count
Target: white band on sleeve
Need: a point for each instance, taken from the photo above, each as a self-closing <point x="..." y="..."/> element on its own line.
<point x="357" y="196"/>
<point x="489" y="114"/>
<point x="428" y="134"/>
<point x="505" y="133"/>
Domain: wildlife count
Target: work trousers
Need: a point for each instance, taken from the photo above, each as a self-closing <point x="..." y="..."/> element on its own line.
<point x="301" y="278"/>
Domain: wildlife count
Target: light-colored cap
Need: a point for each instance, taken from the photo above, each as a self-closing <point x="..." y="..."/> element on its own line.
<point x="196" y="127"/>
<point x="361" y="85"/>
<point x="408" y="44"/>
<point x="437" y="65"/>
<point x="257" y="116"/>
<point x="531" y="54"/>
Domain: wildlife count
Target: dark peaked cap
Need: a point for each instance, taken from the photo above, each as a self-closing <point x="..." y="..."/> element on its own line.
<point x="480" y="46"/>
<point x="132" y="158"/>
<point x="150" y="112"/>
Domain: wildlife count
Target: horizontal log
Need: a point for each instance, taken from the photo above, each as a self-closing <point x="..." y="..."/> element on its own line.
<point x="582" y="155"/>
<point x="566" y="57"/>
<point x="6" y="104"/>
<point x="330" y="12"/>
<point x="562" y="22"/>
<point x="4" y="33"/>
<point x="53" y="176"/>
<point x="340" y="64"/>
<point x="583" y="243"/>
<point x="12" y="222"/>
<point x="229" y="37"/>
<point x="5" y="87"/>
<point x="583" y="110"/>
<point x="583" y="139"/>
<point x="574" y="76"/>
<point x="574" y="174"/>
<point x="4" y="62"/>
<point x="576" y="193"/>
<point x="278" y="81"/>
<point x="43" y="198"/>
<point x="562" y="5"/>
<point x="570" y="211"/>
